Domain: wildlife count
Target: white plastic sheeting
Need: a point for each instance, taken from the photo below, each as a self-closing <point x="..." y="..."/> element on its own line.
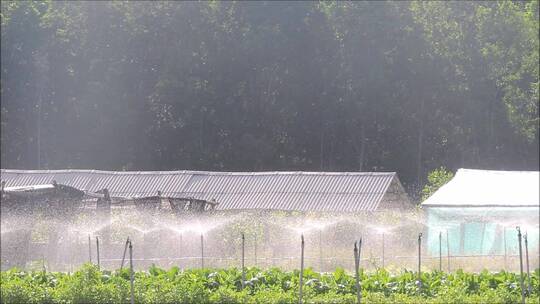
<point x="488" y="188"/>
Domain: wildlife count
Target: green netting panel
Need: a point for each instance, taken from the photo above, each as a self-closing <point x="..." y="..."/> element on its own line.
<point x="481" y="230"/>
<point x="490" y="244"/>
<point x="473" y="234"/>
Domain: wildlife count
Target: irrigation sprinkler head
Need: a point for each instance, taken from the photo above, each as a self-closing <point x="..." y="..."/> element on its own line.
<point x="420" y="236"/>
<point x="302" y="237"/>
<point x="355" y="247"/>
<point x="243" y="237"/>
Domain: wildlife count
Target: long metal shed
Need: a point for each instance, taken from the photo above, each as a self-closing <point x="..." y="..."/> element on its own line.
<point x="288" y="191"/>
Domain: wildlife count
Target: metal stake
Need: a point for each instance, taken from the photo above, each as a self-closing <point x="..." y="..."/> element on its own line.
<point x="124" y="255"/>
<point x="440" y="251"/>
<point x="356" y="274"/>
<point x="382" y="250"/>
<point x="505" y="253"/>
<point x="202" y="251"/>
<point x="255" y="248"/>
<point x="529" y="287"/>
<point x="243" y="265"/>
<point x="359" y="260"/>
<point x="180" y="249"/>
<point x="131" y="275"/>
<point x="420" y="259"/>
<point x="448" y="249"/>
<point x="97" y="252"/>
<point x="301" y="271"/>
<point x="320" y="252"/>
<point x="89" y="248"/>
<point x="521" y="267"/>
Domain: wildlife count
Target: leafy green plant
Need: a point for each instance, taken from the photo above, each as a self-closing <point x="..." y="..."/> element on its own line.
<point x="156" y="285"/>
<point x="436" y="179"/>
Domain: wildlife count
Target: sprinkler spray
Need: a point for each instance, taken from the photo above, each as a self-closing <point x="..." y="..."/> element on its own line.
<point x="97" y="251"/>
<point x="124" y="255"/>
<point x="529" y="287"/>
<point x="243" y="265"/>
<point x="521" y="267"/>
<point x="301" y="270"/>
<point x="202" y="251"/>
<point x="131" y="275"/>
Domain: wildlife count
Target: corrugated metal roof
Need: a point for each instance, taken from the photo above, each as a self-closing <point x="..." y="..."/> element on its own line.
<point x="302" y="191"/>
<point x="488" y="188"/>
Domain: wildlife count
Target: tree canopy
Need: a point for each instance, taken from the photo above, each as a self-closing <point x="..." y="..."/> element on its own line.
<point x="332" y="86"/>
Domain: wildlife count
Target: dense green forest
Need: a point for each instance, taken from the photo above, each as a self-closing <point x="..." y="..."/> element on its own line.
<point x="332" y="86"/>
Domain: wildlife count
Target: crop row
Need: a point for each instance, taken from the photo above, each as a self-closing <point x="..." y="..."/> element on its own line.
<point x="90" y="285"/>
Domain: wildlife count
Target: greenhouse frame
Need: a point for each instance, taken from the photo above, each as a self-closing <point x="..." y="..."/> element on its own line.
<point x="478" y="212"/>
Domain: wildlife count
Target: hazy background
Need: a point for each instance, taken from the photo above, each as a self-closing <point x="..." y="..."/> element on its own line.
<point x="371" y="86"/>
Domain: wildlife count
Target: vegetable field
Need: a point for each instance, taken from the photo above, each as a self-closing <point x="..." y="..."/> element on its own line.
<point x="90" y="285"/>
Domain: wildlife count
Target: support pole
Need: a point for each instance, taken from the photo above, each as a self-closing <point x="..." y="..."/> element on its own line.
<point x="89" y="249"/>
<point x="124" y="255"/>
<point x="243" y="265"/>
<point x="301" y="270"/>
<point x="440" y="251"/>
<point x="97" y="252"/>
<point x="529" y="287"/>
<point x="131" y="274"/>
<point x="521" y="267"/>
<point x="202" y="251"/>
